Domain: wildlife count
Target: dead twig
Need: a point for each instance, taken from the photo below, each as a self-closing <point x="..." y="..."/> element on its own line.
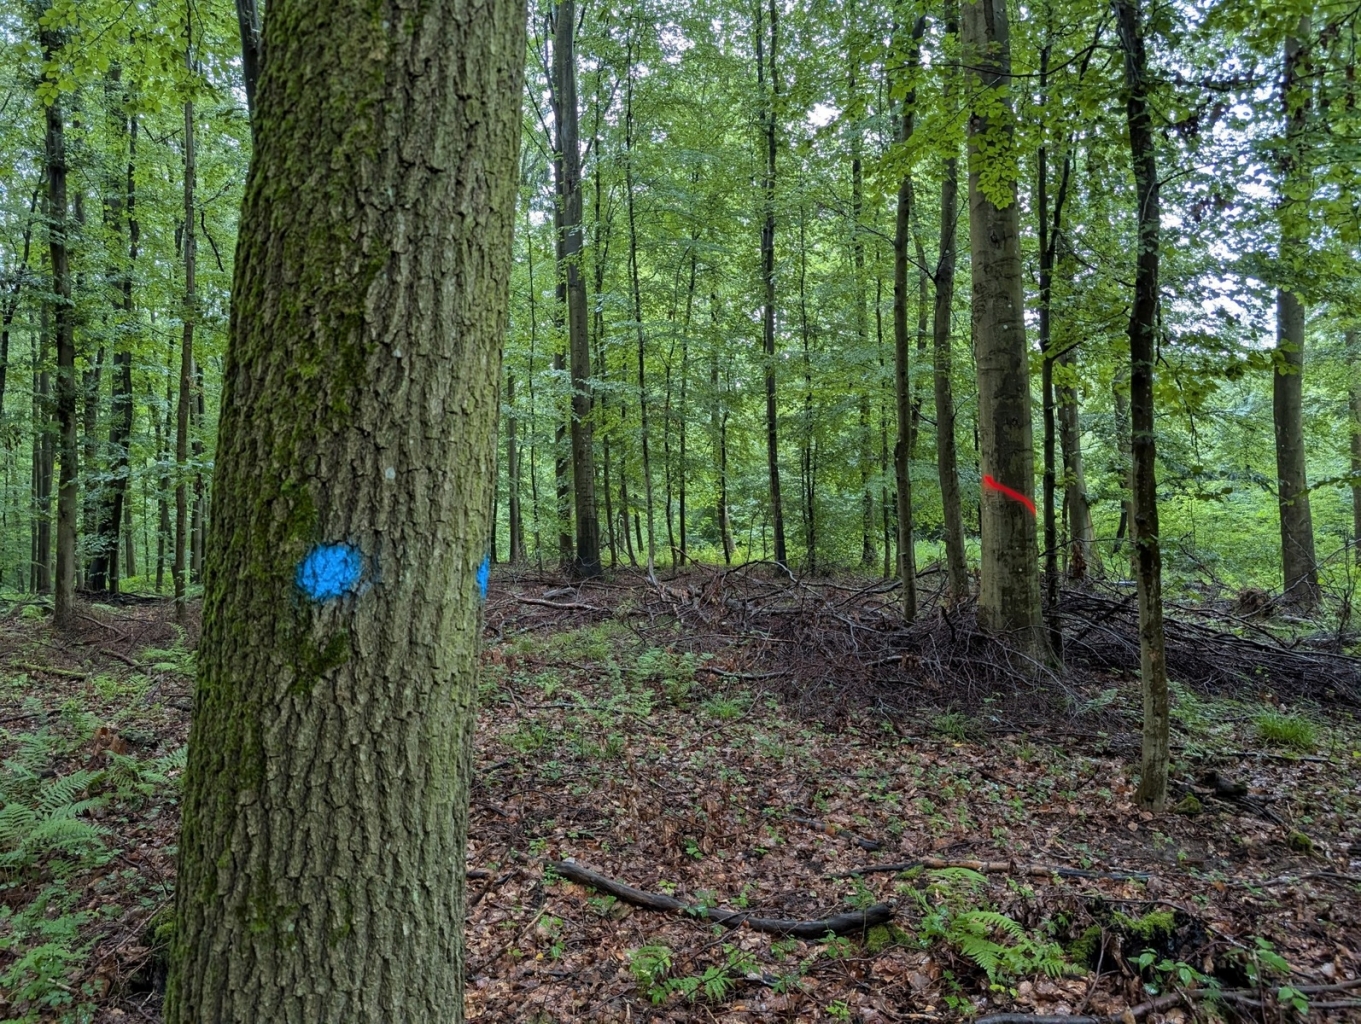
<point x="841" y="924"/>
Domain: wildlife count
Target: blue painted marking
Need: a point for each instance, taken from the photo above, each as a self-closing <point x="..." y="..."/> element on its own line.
<point x="329" y="571"/>
<point x="484" y="576"/>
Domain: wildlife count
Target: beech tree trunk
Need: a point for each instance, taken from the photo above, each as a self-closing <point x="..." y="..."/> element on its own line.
<point x="64" y="321"/>
<point x="516" y="518"/>
<point x="902" y="390"/>
<point x="771" y="101"/>
<point x="1298" y="565"/>
<point x="1009" y="598"/>
<point x="325" y="802"/>
<point x="1143" y="324"/>
<point x="43" y="456"/>
<point x="947" y="459"/>
<point x="586" y="562"/>
<point x="1354" y="353"/>
<point x="180" y="562"/>
<point x="252" y="51"/>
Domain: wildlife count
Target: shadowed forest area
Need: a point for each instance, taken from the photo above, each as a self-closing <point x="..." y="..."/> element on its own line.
<point x="921" y="451"/>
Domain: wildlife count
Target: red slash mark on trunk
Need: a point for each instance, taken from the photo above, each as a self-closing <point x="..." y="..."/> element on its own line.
<point x="1010" y="492"/>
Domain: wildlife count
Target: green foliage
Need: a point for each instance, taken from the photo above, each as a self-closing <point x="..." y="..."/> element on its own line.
<point x="1291" y="732"/>
<point x="653" y="967"/>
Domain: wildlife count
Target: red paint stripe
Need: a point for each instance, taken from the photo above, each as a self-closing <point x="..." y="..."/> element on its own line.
<point x="1010" y="492"/>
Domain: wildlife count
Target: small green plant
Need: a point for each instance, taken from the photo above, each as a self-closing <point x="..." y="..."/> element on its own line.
<point x="838" y="1009"/>
<point x="178" y="658"/>
<point x="652" y="967"/>
<point x="724" y="708"/>
<point x="953" y="726"/>
<point x="1291" y="732"/>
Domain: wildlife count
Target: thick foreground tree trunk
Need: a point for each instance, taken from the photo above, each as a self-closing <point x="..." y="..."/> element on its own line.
<point x="325" y="802"/>
<point x="1009" y="597"/>
<point x="1143" y="323"/>
<point x="1297" y="529"/>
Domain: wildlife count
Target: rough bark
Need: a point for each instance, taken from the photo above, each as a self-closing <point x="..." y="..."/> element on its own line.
<point x="902" y="391"/>
<point x="1299" y="569"/>
<point x="947" y="459"/>
<point x="43" y="457"/>
<point x="770" y="98"/>
<point x="63" y="315"/>
<point x="1009" y="597"/>
<point x="325" y="802"/>
<point x="1143" y="322"/>
<point x="586" y="562"/>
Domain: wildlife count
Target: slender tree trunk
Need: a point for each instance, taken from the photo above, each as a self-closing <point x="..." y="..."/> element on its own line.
<point x="1297" y="530"/>
<point x="643" y="422"/>
<point x="252" y="50"/>
<point x="325" y="801"/>
<point x="885" y="505"/>
<point x="869" y="554"/>
<point x="902" y="387"/>
<point x="123" y="209"/>
<point x="1142" y="329"/>
<point x="1009" y="599"/>
<point x="771" y="100"/>
<point x="1124" y="455"/>
<point x="64" y="320"/>
<point x="128" y="567"/>
<point x="529" y="377"/>
<point x="1081" y="534"/>
<point x="196" y="524"/>
<point x="1354" y="357"/>
<point x="11" y="303"/>
<point x="179" y="565"/>
<point x="44" y="451"/>
<point x="947" y="459"/>
<point x="586" y="563"/>
<point x="517" y="528"/>
<point x="92" y="529"/>
<point x="808" y="441"/>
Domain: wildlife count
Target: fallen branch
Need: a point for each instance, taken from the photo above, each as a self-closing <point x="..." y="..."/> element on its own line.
<point x="121" y="657"/>
<point x="996" y="867"/>
<point x="565" y="606"/>
<point x="827" y="828"/>
<point x="840" y="924"/>
<point x="65" y="673"/>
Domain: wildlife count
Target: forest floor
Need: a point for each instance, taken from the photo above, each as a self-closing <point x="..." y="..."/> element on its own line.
<point x="745" y="742"/>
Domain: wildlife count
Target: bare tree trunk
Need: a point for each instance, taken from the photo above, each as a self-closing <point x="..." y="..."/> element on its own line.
<point x="252" y="50"/>
<point x="517" y="526"/>
<point x="43" y="457"/>
<point x="869" y="554"/>
<point x="1009" y="598"/>
<point x="321" y="863"/>
<point x="1354" y="357"/>
<point x="586" y="564"/>
<point x="179" y="566"/>
<point x="947" y="458"/>
<point x="907" y="566"/>
<point x="771" y="100"/>
<point x="1143" y="323"/>
<point x="1297" y="529"/>
<point x="886" y="506"/>
<point x="64" y="320"/>
<point x="644" y="424"/>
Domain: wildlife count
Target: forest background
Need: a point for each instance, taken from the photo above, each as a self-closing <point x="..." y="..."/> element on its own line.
<point x="702" y="126"/>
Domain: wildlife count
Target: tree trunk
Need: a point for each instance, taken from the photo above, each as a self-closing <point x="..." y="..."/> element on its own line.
<point x="885" y="505"/>
<point x="91" y="529"/>
<point x="325" y="801"/>
<point x="105" y="572"/>
<point x="1143" y="323"/>
<point x="196" y="524"/>
<point x="1354" y="357"/>
<point x="252" y="51"/>
<point x="947" y="459"/>
<point x="869" y="554"/>
<point x="902" y="390"/>
<point x="517" y="526"/>
<point x="643" y="422"/>
<point x="586" y="563"/>
<point x="1009" y="598"/>
<point x="64" y="321"/>
<point x="43" y="457"/>
<point x="1297" y="530"/>
<point x="179" y="564"/>
<point x="11" y="304"/>
<point x="771" y="99"/>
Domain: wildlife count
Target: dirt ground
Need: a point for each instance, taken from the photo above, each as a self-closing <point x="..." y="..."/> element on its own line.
<point x="689" y="740"/>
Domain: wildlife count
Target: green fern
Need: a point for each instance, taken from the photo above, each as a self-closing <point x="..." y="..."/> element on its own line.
<point x="1001" y="947"/>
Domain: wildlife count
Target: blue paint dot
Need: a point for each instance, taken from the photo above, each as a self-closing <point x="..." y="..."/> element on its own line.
<point x="329" y="571"/>
<point x="484" y="576"/>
